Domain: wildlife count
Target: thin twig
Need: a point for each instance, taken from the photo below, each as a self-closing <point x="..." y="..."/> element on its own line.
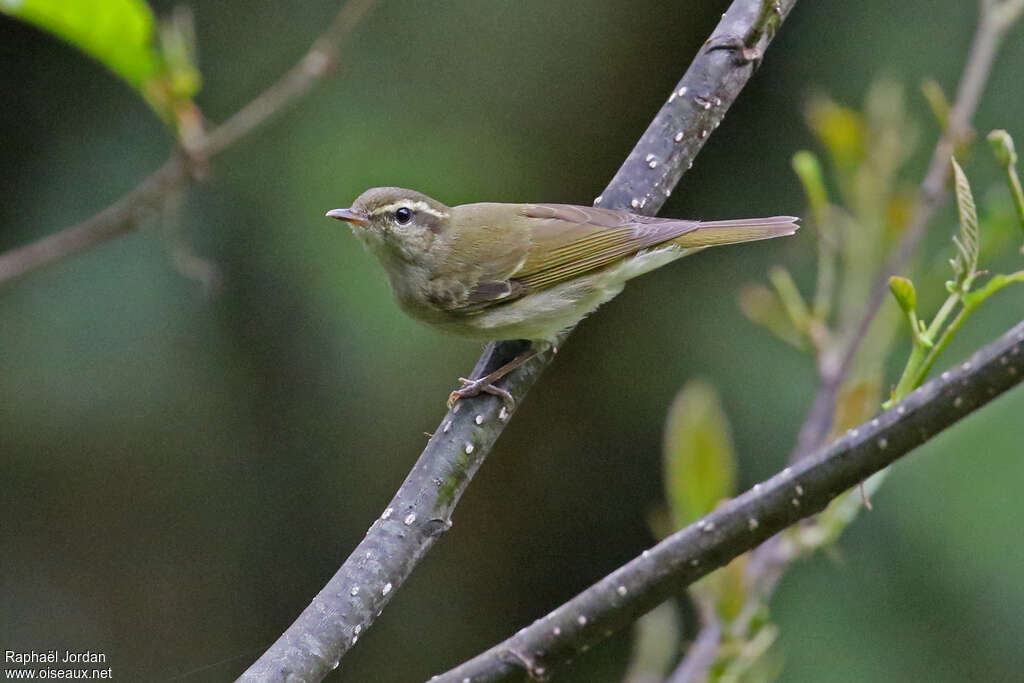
<point x="421" y="510"/>
<point x="735" y="527"/>
<point x="300" y="79"/>
<point x="125" y="214"/>
<point x="116" y="219"/>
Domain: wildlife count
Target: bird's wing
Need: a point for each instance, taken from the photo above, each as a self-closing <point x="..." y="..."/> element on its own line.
<point x="567" y="241"/>
<point x="541" y="245"/>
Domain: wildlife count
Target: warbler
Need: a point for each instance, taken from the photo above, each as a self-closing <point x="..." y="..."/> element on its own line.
<point x="494" y="271"/>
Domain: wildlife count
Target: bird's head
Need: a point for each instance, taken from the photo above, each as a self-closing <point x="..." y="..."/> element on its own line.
<point x="395" y="219"/>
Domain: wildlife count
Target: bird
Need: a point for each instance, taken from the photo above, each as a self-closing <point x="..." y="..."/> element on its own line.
<point x="497" y="271"/>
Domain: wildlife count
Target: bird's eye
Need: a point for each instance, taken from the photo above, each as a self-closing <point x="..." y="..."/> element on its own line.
<point x="403" y="215"/>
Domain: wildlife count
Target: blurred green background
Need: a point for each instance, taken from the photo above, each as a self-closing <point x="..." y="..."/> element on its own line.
<point x="181" y="472"/>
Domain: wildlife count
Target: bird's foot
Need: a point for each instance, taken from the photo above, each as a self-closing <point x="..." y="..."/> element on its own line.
<point x="742" y="53"/>
<point x="485" y="385"/>
<point x="475" y="387"/>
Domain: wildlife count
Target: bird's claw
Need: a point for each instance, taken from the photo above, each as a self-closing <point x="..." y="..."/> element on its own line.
<point x="742" y="53"/>
<point x="475" y="387"/>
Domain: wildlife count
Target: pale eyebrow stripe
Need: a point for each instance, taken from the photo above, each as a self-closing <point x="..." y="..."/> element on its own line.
<point x="413" y="205"/>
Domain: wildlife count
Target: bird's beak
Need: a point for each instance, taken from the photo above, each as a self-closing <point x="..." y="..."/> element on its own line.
<point x="348" y="215"/>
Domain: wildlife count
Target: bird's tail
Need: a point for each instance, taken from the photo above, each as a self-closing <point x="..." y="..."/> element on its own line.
<point x="712" y="233"/>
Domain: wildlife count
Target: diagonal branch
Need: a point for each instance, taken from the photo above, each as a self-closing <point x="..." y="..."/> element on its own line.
<point x="117" y="219"/>
<point x="300" y="79"/>
<point x="421" y="510"/>
<point x="126" y="213"/>
<point x="735" y="527"/>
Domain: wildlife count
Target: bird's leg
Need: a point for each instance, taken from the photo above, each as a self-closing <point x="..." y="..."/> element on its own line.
<point x="485" y="384"/>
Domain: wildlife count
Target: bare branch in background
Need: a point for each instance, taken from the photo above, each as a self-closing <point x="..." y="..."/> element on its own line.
<point x="421" y="510"/>
<point x="300" y="79"/>
<point x="742" y="523"/>
<point x="126" y="213"/>
<point x="118" y="218"/>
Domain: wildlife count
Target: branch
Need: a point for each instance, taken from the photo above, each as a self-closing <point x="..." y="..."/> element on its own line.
<point x="421" y="510"/>
<point x="116" y="219"/>
<point x="735" y="527"/>
<point x="125" y="214"/>
<point x="997" y="17"/>
<point x="769" y="561"/>
<point x="300" y="79"/>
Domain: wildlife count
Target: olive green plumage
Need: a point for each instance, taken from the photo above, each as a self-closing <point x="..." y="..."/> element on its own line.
<point x="522" y="271"/>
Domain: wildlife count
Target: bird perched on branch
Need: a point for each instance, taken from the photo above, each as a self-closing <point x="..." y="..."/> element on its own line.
<point x="494" y="271"/>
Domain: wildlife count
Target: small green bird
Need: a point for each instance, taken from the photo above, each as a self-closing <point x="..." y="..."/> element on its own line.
<point x="521" y="271"/>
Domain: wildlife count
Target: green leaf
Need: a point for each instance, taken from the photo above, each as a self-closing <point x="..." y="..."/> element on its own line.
<point x="808" y="169"/>
<point x="937" y="100"/>
<point x="841" y="130"/>
<point x="122" y="35"/>
<point x="904" y="292"/>
<point x="180" y="76"/>
<point x="1006" y="155"/>
<point x="656" y="637"/>
<point x="857" y="402"/>
<point x="660" y="522"/>
<point x="726" y="589"/>
<point x="118" y="33"/>
<point x="700" y="464"/>
<point x="792" y="300"/>
<point x="764" y="307"/>
<point x="965" y="263"/>
<point x="1002" y="148"/>
<point x="997" y="282"/>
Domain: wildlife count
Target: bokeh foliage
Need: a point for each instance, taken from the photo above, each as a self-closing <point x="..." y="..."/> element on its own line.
<point x="123" y="35"/>
<point x="184" y="471"/>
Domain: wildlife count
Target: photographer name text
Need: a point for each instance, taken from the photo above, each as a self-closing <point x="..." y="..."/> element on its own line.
<point x="54" y="657"/>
